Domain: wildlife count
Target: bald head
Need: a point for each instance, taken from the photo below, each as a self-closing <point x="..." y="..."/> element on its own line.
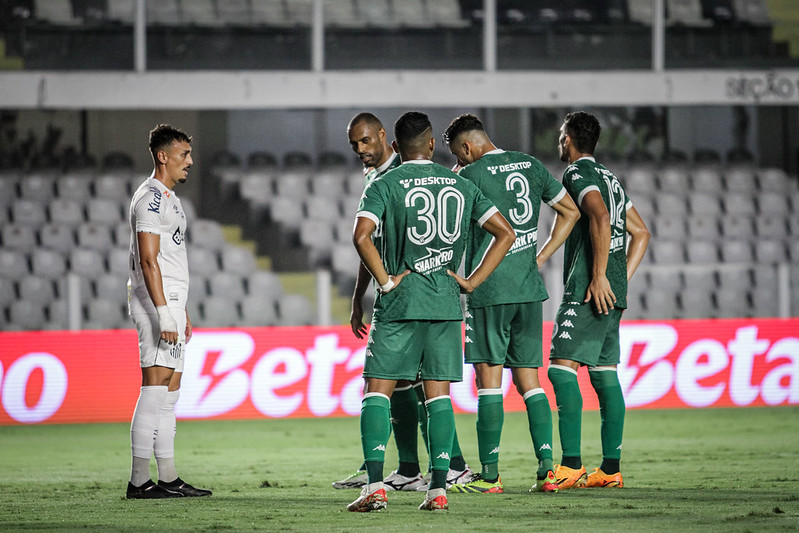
<point x="368" y="139"/>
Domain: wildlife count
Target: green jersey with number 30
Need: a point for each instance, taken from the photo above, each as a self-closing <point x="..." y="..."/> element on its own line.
<point x="425" y="212"/>
<point x="516" y="183"/>
<point x="579" y="178"/>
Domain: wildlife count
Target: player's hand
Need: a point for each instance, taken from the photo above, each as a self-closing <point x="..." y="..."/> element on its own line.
<point x="600" y="292"/>
<point x="356" y="320"/>
<point x="188" y="328"/>
<point x="466" y="285"/>
<point x="167" y="325"/>
<point x="396" y="281"/>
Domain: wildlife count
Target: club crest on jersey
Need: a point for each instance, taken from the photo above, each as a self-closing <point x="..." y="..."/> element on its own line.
<point x="177" y="237"/>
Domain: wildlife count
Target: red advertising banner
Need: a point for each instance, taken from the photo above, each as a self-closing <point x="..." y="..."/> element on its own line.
<point x="94" y="376"/>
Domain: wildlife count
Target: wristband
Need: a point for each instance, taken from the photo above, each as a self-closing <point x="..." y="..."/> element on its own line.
<point x="388" y="286"/>
<point x="166" y="322"/>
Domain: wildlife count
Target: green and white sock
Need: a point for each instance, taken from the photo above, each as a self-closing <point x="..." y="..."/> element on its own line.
<point x="539" y="418"/>
<point x="612" y="409"/>
<point x="375" y="431"/>
<point x="490" y="417"/>
<point x="570" y="410"/>
<point x="404" y="419"/>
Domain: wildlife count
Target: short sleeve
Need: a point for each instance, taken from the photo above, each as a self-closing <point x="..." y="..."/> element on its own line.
<point x="578" y="185"/>
<point x="482" y="209"/>
<point x="553" y="191"/>
<point x="372" y="204"/>
<point x="148" y="214"/>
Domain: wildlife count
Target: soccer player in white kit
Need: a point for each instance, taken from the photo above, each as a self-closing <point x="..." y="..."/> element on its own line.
<point x="157" y="292"/>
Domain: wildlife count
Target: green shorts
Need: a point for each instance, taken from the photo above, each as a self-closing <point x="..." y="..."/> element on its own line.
<point x="415" y="349"/>
<point x="581" y="334"/>
<point x="507" y="334"/>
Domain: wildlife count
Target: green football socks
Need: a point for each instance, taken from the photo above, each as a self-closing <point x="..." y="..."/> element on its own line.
<point x="570" y="408"/>
<point x="404" y="419"/>
<point x="539" y="418"/>
<point x="441" y="431"/>
<point x="490" y="417"/>
<point x="605" y="381"/>
<point x="375" y="431"/>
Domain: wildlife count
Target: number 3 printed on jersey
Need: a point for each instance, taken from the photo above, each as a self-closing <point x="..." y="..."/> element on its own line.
<point x="517" y="183"/>
<point x="437" y="215"/>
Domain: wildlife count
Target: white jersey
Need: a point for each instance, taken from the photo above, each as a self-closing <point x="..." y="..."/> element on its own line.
<point x="156" y="209"/>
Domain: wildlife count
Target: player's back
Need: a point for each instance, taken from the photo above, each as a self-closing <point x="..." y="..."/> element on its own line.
<point x="425" y="212"/>
<point x="516" y="183"/>
<point x="579" y="178"/>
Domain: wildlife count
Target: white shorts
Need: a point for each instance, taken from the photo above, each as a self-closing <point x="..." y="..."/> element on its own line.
<point x="154" y="351"/>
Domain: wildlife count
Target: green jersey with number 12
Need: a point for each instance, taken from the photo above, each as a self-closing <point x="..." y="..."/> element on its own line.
<point x="579" y="178"/>
<point x="425" y="212"/>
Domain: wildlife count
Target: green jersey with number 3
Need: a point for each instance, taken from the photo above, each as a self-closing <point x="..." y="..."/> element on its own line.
<point x="425" y="212"/>
<point x="516" y="183"/>
<point x="579" y="178"/>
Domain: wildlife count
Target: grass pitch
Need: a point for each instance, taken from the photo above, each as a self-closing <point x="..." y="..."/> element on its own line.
<point x="684" y="470"/>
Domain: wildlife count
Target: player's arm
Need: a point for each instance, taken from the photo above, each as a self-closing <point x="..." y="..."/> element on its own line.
<point x="639" y="240"/>
<point x="362" y="240"/>
<point x="189" y="327"/>
<point x="599" y="230"/>
<point x="567" y="216"/>
<point x="149" y="246"/>
<point x="504" y="236"/>
<point x="356" y="312"/>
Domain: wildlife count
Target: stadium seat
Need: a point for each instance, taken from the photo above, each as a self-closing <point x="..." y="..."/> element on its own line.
<point x="104" y="314"/>
<point x="104" y="211"/>
<point x="771" y="226"/>
<point x="754" y="12"/>
<point x="696" y="304"/>
<point x="87" y="262"/>
<point x="73" y="187"/>
<point x="8" y="292"/>
<point x="292" y="185"/>
<point x="706" y="204"/>
<point x="668" y="280"/>
<point x="664" y="252"/>
<point x="238" y="260"/>
<point x="703" y="227"/>
<point x="202" y="261"/>
<point x="660" y="303"/>
<point x="770" y="179"/>
<point x="85" y="288"/>
<point x="736" y="227"/>
<point x="342" y="14"/>
<point x="701" y="252"/>
<point x="94" y="237"/>
<point x="66" y="212"/>
<point x="736" y="251"/>
<point x="377" y="13"/>
<point x="206" y="233"/>
<point x="26" y="315"/>
<point x="698" y="278"/>
<point x="318" y="236"/>
<point x="739" y="204"/>
<point x="286" y="211"/>
<point x="735" y="278"/>
<point x="58" y="237"/>
<point x="271" y="13"/>
<point x="112" y="287"/>
<point x="226" y="285"/>
<point x="35" y="289"/>
<point x="200" y="12"/>
<point x="121" y="234"/>
<point x="773" y="203"/>
<point x="345" y="260"/>
<point x="257" y="186"/>
<point x="219" y="312"/>
<point x="707" y="179"/>
<point x="349" y="205"/>
<point x="189" y="210"/>
<point x="671" y="227"/>
<point x="740" y="179"/>
<point x="58" y="12"/>
<point x="18" y="237"/>
<point x="118" y="261"/>
<point x="264" y="284"/>
<point x="355" y="182"/>
<point x="733" y="304"/>
<point x="294" y="310"/>
<point x="13" y="263"/>
<point x="446" y="13"/>
<point x="673" y="179"/>
<point x="257" y="311"/>
<point x="28" y="212"/>
<point x="121" y="11"/>
<point x="686" y="13"/>
<point x="640" y="180"/>
<point x="770" y="251"/>
<point x="300" y="13"/>
<point x="321" y="207"/>
<point x="198" y="287"/>
<point x="163" y="13"/>
<point x="329" y="183"/>
<point x="37" y="187"/>
<point x="413" y="14"/>
<point x="671" y="204"/>
<point x="112" y="186"/>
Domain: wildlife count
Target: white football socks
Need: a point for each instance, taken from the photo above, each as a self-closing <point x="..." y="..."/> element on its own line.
<point x="143" y="430"/>
<point x="164" y="446"/>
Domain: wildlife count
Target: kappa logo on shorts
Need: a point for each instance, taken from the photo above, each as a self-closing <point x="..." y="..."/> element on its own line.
<point x="468" y="315"/>
<point x="567" y="324"/>
<point x="469" y="340"/>
<point x="570" y="312"/>
<point x="565" y="335"/>
<point x="469" y="328"/>
<point x="369" y="353"/>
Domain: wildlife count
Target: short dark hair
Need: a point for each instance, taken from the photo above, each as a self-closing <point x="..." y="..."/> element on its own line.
<point x="584" y="130"/>
<point x="410" y="126"/>
<point x="368" y="118"/>
<point x="163" y="135"/>
<point x="462" y="124"/>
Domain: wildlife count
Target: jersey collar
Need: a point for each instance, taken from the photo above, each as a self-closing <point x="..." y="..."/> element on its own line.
<point x="382" y="168"/>
<point x="495" y="151"/>
<point x="588" y="157"/>
<point x="417" y="162"/>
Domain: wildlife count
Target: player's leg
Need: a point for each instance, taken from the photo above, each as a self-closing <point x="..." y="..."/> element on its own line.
<point x="357" y="479"/>
<point x="605" y="381"/>
<point x="146" y="416"/>
<point x="525" y="357"/>
<point x="404" y="422"/>
<point x="418" y="388"/>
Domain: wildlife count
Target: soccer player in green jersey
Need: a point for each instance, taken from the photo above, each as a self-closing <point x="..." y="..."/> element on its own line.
<point x="425" y="212"/>
<point x="504" y="315"/>
<point x="599" y="260"/>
